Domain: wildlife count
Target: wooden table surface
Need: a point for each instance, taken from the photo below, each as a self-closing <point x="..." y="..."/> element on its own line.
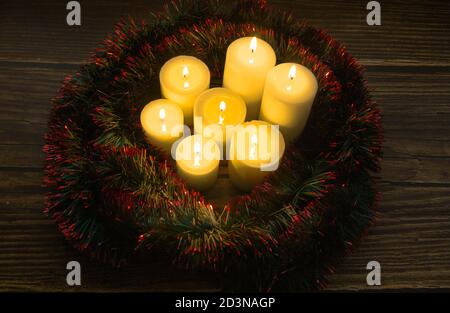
<point x="408" y="67"/>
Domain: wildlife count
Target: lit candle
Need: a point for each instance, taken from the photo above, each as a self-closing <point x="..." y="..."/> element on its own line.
<point x="215" y="110"/>
<point x="222" y="107"/>
<point x="182" y="79"/>
<point x="256" y="149"/>
<point x="247" y="63"/>
<point x="288" y="96"/>
<point x="198" y="161"/>
<point x="162" y="122"/>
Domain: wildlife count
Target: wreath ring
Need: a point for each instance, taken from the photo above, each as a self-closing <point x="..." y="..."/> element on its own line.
<point x="113" y="195"/>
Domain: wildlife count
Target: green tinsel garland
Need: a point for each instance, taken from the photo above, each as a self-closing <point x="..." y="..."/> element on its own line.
<point x="113" y="196"/>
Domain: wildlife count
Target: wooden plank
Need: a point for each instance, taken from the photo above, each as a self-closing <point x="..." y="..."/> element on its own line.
<point x="412" y="32"/>
<point x="404" y="37"/>
<point x="22" y="132"/>
<point x="424" y="90"/>
<point x="21" y="156"/>
<point x="27" y="37"/>
<point x="398" y="170"/>
<point x="23" y="203"/>
<point x="410" y="241"/>
<point x="31" y="155"/>
<point x="413" y="229"/>
<point x="27" y="89"/>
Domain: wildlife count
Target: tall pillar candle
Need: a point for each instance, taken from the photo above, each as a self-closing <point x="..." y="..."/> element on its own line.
<point x="288" y="96"/>
<point x="247" y="62"/>
<point x="182" y="79"/>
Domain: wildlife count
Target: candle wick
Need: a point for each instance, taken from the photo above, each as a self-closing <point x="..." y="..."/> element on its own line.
<point x="253" y="45"/>
<point x="292" y="72"/>
<point x="197" y="154"/>
<point x="252" y="50"/>
<point x="185" y="71"/>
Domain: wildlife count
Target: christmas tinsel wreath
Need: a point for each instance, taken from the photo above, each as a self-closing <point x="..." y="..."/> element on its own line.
<point x="114" y="196"/>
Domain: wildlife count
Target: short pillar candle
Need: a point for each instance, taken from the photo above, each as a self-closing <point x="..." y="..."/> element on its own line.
<point x="182" y="79"/>
<point x="217" y="110"/>
<point x="256" y="149"/>
<point x="162" y="123"/>
<point x="197" y="162"/>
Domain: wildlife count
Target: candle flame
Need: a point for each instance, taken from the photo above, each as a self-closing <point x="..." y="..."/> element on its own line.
<point x="253" y="44"/>
<point x="254" y="139"/>
<point x="222" y="107"/>
<point x="185" y="71"/>
<point x="197" y="147"/>
<point x="185" y="75"/>
<point x="197" y="150"/>
<point x="292" y="72"/>
<point x="254" y="143"/>
<point x="162" y="114"/>
<point x="162" y="117"/>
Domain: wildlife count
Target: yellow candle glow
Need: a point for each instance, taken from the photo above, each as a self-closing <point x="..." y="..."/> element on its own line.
<point x="247" y="63"/>
<point x="182" y="79"/>
<point x="288" y="96"/>
<point x="214" y="111"/>
<point x="256" y="149"/>
<point x="162" y="122"/>
<point x="198" y="161"/>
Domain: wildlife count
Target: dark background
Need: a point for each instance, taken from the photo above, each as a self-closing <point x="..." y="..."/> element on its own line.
<point x="408" y="66"/>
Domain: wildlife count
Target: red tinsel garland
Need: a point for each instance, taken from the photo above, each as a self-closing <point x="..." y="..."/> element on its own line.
<point x="112" y="195"/>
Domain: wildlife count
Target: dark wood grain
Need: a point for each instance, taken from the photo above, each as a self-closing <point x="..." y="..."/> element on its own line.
<point x="408" y="67"/>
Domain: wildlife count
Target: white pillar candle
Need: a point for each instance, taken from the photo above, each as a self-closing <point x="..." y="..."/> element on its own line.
<point x="256" y="149"/>
<point x="182" y="79"/>
<point x="288" y="96"/>
<point x="215" y="110"/>
<point x="247" y="62"/>
<point x="198" y="161"/>
<point x="162" y="122"/>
